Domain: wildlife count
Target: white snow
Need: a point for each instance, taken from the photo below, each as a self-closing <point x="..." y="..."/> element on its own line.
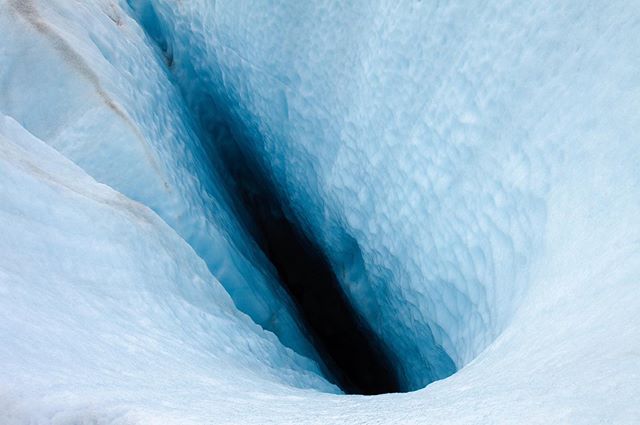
<point x="470" y="168"/>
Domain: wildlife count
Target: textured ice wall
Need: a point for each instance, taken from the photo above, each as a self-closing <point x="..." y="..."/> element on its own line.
<point x="85" y="78"/>
<point x="105" y="310"/>
<point x="417" y="140"/>
<point x="400" y="144"/>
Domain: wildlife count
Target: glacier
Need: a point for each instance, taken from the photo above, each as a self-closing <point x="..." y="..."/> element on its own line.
<point x="469" y="170"/>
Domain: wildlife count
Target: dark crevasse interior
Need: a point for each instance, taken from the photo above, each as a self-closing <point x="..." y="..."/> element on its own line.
<point x="354" y="357"/>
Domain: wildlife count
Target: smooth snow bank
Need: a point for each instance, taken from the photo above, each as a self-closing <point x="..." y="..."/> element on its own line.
<point x="435" y="149"/>
<point x="105" y="311"/>
<point x="83" y="77"/>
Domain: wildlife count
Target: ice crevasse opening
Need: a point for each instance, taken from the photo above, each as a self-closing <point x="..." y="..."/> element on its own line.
<point x="426" y="253"/>
<point x="390" y="191"/>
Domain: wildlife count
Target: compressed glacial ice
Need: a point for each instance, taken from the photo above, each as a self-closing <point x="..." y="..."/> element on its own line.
<point x="470" y="169"/>
<point x="419" y="142"/>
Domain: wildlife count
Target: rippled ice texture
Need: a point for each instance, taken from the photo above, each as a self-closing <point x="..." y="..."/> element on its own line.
<point x="482" y="157"/>
<point x="447" y="142"/>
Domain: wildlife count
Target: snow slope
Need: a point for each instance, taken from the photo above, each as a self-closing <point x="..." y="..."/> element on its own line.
<point x="471" y="169"/>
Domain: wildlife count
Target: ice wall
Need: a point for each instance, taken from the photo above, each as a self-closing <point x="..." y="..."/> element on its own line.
<point x="408" y="183"/>
<point x="417" y="140"/>
<point x="85" y="78"/>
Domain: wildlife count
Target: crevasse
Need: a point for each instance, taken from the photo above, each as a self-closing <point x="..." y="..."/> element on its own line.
<point x="469" y="173"/>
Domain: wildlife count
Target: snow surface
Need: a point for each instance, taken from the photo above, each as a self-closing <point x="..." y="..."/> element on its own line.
<point x="471" y="169"/>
